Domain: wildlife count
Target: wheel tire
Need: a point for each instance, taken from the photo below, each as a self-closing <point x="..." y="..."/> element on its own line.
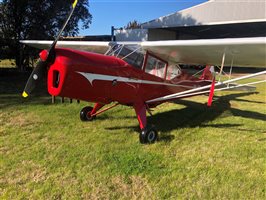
<point x="85" y="114"/>
<point x="148" y="136"/>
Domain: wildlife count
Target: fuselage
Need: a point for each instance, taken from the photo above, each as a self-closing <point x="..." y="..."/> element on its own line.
<point x="100" y="78"/>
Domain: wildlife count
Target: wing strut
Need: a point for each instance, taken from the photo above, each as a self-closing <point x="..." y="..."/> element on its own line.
<point x="220" y="89"/>
<point x="213" y="82"/>
<point x="192" y="91"/>
<point x="211" y="92"/>
<point x="222" y="67"/>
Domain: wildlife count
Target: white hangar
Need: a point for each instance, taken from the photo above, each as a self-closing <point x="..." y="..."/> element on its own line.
<point x="212" y="19"/>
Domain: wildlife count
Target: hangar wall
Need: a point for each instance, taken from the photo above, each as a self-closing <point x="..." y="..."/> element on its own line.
<point x="212" y="19"/>
<point x="131" y="35"/>
<point x="161" y="34"/>
<point x="213" y="12"/>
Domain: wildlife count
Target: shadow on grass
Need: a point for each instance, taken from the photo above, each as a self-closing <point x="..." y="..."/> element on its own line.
<point x="198" y="114"/>
<point x="133" y="128"/>
<point x="17" y="100"/>
<point x="11" y="88"/>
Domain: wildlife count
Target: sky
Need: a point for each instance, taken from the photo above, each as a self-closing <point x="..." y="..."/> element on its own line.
<point x="117" y="13"/>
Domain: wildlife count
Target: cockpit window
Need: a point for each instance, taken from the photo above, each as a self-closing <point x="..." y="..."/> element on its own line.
<point x="173" y="70"/>
<point x="130" y="54"/>
<point x="155" y="66"/>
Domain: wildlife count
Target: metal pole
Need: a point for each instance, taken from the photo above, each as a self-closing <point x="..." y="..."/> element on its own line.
<point x="112" y="33"/>
<point x="231" y="68"/>
<point x="53" y="99"/>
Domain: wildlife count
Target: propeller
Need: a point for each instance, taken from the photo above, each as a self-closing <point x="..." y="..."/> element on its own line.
<point x="45" y="58"/>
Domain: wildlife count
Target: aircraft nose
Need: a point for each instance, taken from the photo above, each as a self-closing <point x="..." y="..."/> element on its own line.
<point x="56" y="77"/>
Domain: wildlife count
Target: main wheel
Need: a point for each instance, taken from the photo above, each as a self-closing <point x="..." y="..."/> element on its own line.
<point x="148" y="135"/>
<point x="85" y="114"/>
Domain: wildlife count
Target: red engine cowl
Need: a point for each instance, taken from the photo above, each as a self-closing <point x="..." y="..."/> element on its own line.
<point x="64" y="78"/>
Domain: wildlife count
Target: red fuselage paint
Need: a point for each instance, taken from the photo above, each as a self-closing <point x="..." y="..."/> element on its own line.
<point x="112" y="79"/>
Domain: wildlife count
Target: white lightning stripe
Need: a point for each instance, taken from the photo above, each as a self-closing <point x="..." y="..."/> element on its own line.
<point x="91" y="77"/>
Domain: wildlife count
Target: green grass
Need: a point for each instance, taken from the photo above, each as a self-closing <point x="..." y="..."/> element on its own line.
<point x="46" y="152"/>
<point x="7" y="63"/>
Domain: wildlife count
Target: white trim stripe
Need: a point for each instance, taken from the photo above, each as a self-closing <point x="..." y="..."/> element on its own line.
<point x="91" y="77"/>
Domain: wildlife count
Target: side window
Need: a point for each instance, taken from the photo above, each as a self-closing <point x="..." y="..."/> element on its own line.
<point x="173" y="71"/>
<point x="155" y="66"/>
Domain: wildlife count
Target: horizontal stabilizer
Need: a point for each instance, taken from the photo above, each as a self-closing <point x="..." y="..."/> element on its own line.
<point x="238" y="87"/>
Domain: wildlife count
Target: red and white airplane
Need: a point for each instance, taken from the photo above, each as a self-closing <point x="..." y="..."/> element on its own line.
<point x="139" y="74"/>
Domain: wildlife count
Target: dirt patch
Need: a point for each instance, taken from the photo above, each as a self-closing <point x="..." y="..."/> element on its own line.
<point x="28" y="171"/>
<point x="133" y="187"/>
<point x="21" y="120"/>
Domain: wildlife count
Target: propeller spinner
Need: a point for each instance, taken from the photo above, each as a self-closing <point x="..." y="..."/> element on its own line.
<point x="45" y="58"/>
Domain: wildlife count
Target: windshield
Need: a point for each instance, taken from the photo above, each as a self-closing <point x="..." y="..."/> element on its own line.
<point x="131" y="54"/>
<point x="134" y="56"/>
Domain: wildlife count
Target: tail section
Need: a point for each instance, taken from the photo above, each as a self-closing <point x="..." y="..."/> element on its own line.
<point x="208" y="73"/>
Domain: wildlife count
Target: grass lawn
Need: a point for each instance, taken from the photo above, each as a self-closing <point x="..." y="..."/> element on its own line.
<point x="46" y="152"/>
<point x="7" y="63"/>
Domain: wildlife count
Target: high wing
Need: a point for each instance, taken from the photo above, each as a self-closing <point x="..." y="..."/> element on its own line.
<point x="244" y="52"/>
<point x="97" y="47"/>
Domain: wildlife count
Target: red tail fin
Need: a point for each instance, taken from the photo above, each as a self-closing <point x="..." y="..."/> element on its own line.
<point x="208" y="73"/>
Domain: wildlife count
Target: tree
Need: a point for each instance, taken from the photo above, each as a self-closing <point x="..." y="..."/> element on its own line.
<point x="38" y="19"/>
<point x="133" y="25"/>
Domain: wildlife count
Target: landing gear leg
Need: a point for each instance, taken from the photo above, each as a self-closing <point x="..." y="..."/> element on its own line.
<point x="148" y="134"/>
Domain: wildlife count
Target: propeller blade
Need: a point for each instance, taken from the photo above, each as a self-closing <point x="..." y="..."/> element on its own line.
<point x="74" y="4"/>
<point x="46" y="58"/>
<point x="35" y="77"/>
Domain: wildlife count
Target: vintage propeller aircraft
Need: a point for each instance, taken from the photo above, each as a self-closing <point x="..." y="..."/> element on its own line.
<point x="139" y="74"/>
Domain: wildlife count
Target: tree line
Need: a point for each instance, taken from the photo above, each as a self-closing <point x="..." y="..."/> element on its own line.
<point x="37" y="19"/>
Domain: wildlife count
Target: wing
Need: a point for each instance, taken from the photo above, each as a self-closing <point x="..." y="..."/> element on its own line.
<point x="239" y="51"/>
<point x="97" y="47"/>
<point x="245" y="52"/>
